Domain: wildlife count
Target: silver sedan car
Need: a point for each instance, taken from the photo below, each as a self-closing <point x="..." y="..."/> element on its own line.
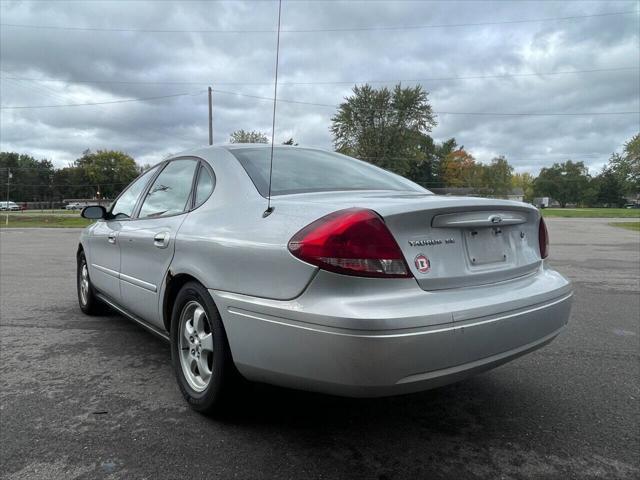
<point x="355" y="282"/>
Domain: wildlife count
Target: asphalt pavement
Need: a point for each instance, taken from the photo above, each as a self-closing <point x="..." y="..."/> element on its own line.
<point x="95" y="397"/>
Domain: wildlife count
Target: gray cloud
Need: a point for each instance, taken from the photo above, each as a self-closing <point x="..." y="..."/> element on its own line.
<point x="153" y="129"/>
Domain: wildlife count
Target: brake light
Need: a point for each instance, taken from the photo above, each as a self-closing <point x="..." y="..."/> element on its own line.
<point x="543" y="239"/>
<point x="352" y="242"/>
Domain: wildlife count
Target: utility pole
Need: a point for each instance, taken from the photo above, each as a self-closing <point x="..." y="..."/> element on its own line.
<point x="51" y="191"/>
<point x="6" y="221"/>
<point x="210" y="119"/>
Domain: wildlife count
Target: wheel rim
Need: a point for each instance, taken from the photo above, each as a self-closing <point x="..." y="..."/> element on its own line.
<point x="84" y="283"/>
<point x="196" y="346"/>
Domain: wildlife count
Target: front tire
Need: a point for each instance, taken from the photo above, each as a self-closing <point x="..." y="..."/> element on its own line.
<point x="87" y="299"/>
<point x="199" y="350"/>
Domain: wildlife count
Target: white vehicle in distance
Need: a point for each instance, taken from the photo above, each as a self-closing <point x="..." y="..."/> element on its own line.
<point x="74" y="206"/>
<point x="11" y="206"/>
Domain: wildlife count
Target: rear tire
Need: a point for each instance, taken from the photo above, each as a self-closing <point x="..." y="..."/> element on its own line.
<point x="89" y="303"/>
<point x="200" y="351"/>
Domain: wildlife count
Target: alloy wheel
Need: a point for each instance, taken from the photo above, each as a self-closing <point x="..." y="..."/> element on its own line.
<point x="84" y="284"/>
<point x="196" y="346"/>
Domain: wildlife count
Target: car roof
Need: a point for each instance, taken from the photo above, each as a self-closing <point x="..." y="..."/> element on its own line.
<point x="235" y="146"/>
<point x="198" y="151"/>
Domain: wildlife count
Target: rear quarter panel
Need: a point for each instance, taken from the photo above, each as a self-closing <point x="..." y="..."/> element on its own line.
<point x="228" y="245"/>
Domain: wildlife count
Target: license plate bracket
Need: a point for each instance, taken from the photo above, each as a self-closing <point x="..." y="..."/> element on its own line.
<point x="486" y="245"/>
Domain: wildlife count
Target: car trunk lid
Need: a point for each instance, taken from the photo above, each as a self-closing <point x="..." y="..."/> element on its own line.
<point x="467" y="241"/>
<point x="467" y="244"/>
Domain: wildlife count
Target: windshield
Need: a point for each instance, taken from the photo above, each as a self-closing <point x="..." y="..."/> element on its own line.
<point x="301" y="170"/>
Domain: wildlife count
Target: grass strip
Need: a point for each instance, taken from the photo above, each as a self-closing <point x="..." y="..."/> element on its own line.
<point x="591" y="212"/>
<point x="634" y="226"/>
<point x="46" y="221"/>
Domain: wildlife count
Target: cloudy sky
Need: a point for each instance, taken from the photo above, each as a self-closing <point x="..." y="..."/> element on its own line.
<point x="474" y="58"/>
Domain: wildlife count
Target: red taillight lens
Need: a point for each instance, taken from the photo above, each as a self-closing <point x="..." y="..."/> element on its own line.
<point x="352" y="242"/>
<point x="543" y="239"/>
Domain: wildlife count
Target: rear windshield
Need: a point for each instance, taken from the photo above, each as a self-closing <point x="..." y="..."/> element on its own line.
<point x="301" y="170"/>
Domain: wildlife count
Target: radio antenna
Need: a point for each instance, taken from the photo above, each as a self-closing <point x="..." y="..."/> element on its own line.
<point x="269" y="209"/>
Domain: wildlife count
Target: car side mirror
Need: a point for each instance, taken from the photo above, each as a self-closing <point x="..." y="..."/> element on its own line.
<point x="94" y="212"/>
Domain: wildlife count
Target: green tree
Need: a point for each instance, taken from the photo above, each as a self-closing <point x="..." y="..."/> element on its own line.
<point x="427" y="170"/>
<point x="385" y="127"/>
<point x="31" y="179"/>
<point x="109" y="171"/>
<point x="290" y="142"/>
<point x="71" y="182"/>
<point x="608" y="189"/>
<point x="626" y="166"/>
<point x="567" y="182"/>
<point x="242" y="136"/>
<point x="525" y="181"/>
<point x="497" y="177"/>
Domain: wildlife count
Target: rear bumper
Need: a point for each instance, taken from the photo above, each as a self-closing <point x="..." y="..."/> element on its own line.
<point x="299" y="344"/>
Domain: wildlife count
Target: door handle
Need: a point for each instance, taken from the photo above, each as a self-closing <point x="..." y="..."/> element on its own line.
<point x="161" y="240"/>
<point x="111" y="238"/>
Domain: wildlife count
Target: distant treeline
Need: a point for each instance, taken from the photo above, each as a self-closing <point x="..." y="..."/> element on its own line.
<point x="101" y="174"/>
<point x="386" y="127"/>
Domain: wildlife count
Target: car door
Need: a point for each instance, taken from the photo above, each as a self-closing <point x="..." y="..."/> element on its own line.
<point x="147" y="242"/>
<point x="104" y="247"/>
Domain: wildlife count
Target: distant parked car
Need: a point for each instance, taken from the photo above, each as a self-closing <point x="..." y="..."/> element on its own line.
<point x="74" y="206"/>
<point x="11" y="206"/>
<point x="632" y="205"/>
<point x="355" y="282"/>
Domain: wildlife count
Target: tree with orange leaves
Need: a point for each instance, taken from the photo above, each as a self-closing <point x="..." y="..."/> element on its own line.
<point x="459" y="169"/>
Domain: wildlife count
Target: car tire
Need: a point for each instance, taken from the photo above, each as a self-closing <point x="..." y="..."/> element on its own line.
<point x="200" y="351"/>
<point x="89" y="303"/>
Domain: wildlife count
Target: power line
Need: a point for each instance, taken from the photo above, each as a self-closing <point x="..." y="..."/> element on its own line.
<point x="299" y="1"/>
<point x="440" y="112"/>
<point x="538" y="114"/>
<point x="23" y="107"/>
<point x="322" y="82"/>
<point x="43" y="169"/>
<point x="314" y="30"/>
<point x="324" y="105"/>
<point x="38" y="89"/>
<point x="90" y="185"/>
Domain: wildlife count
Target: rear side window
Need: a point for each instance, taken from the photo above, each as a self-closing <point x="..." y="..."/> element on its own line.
<point x="205" y="185"/>
<point x="170" y="191"/>
<point x="124" y="205"/>
<point x="300" y="170"/>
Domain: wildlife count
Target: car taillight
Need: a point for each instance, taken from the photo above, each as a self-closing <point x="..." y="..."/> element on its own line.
<point x="543" y="239"/>
<point x="352" y="242"/>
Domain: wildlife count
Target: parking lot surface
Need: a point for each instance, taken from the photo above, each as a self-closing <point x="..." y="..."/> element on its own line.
<point x="95" y="397"/>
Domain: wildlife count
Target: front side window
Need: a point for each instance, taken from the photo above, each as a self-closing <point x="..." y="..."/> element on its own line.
<point x="301" y="170"/>
<point x="125" y="204"/>
<point x="170" y="191"/>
